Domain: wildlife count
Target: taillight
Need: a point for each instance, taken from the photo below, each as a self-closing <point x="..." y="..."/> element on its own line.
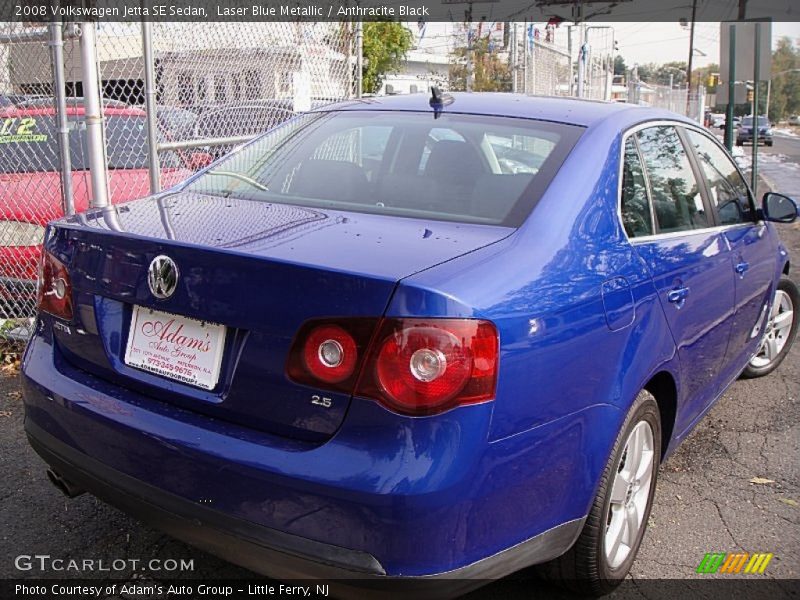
<point x="54" y="291"/>
<point x="326" y="353"/>
<point x="411" y="366"/>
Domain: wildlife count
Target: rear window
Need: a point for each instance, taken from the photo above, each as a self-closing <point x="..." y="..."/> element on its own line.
<point x="464" y="168"/>
<point x="29" y="144"/>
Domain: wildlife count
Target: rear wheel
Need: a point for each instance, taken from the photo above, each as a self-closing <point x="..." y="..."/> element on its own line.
<point x="607" y="546"/>
<point x="779" y="332"/>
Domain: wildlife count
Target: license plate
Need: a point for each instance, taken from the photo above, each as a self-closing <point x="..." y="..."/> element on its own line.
<point x="179" y="348"/>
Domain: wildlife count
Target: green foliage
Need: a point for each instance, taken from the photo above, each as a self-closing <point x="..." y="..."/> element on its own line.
<point x="385" y="46"/>
<point x="785" y="92"/>
<point x="619" y="65"/>
<point x="491" y="74"/>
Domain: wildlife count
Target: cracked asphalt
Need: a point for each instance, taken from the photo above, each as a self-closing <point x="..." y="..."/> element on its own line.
<point x="706" y="500"/>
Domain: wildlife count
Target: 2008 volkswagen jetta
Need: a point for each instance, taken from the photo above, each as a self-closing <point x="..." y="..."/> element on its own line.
<point x="411" y="337"/>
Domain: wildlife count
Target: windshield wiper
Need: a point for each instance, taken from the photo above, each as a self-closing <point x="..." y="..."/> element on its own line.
<point x="234" y="175"/>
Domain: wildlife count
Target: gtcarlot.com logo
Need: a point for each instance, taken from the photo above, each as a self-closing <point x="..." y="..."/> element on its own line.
<point x="46" y="562"/>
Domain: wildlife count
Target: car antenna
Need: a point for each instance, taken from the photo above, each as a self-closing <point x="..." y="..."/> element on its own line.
<point x="439" y="100"/>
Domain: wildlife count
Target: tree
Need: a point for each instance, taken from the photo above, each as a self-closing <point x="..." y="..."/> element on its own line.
<point x="704" y="76"/>
<point x="785" y="92"/>
<point x="619" y="65"/>
<point x="676" y="69"/>
<point x="490" y="72"/>
<point x="385" y="46"/>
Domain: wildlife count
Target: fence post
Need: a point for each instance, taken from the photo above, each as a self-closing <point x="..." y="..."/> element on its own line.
<point x="359" y="58"/>
<point x="60" y="97"/>
<point x="94" y="116"/>
<point x="150" y="107"/>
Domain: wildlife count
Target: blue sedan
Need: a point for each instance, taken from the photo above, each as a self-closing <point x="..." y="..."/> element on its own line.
<point x="409" y="338"/>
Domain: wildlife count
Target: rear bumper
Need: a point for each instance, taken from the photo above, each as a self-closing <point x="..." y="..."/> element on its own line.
<point x="748" y="138"/>
<point x="386" y="497"/>
<point x="271" y="552"/>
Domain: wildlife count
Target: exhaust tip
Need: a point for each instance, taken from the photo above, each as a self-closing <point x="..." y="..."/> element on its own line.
<point x="69" y="489"/>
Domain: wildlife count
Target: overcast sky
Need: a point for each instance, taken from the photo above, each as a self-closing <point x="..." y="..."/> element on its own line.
<point x="666" y="42"/>
<point x="641" y="42"/>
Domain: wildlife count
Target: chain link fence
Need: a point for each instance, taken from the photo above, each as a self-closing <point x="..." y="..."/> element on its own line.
<point x="676" y="99"/>
<point x="539" y="66"/>
<point x="215" y="85"/>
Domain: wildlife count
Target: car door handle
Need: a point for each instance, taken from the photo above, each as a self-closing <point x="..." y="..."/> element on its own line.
<point x="678" y="295"/>
<point x="741" y="267"/>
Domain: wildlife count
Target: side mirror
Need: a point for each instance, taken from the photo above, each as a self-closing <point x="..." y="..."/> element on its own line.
<point x="199" y="160"/>
<point x="779" y="208"/>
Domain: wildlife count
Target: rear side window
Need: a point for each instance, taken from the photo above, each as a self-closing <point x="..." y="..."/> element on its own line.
<point x="676" y="195"/>
<point x="464" y="168"/>
<point x="727" y="189"/>
<point x="636" y="216"/>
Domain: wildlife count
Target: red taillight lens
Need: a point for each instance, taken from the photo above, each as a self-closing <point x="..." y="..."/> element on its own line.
<point x="54" y="288"/>
<point x="330" y="354"/>
<point x="411" y="366"/>
<point x="327" y="353"/>
<point x="423" y="367"/>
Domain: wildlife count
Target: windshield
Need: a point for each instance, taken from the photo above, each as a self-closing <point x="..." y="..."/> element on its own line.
<point x="748" y="121"/>
<point x="29" y="144"/>
<point x="463" y="168"/>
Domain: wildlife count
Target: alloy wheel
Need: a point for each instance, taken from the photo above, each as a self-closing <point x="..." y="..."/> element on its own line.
<point x="777" y="332"/>
<point x="629" y="495"/>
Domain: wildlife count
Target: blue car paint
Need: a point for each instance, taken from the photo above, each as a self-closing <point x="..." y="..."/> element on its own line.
<point x="582" y="326"/>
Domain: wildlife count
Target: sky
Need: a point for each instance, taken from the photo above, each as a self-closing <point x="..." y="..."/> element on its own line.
<point x="639" y="42"/>
<point x="666" y="42"/>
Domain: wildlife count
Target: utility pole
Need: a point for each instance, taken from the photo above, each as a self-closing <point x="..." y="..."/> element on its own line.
<point x="691" y="56"/>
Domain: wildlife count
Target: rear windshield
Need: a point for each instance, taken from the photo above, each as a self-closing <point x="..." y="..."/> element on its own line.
<point x="29" y="144"/>
<point x="762" y="121"/>
<point x="463" y="168"/>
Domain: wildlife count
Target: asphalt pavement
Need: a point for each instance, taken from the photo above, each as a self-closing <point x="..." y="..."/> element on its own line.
<point x="733" y="486"/>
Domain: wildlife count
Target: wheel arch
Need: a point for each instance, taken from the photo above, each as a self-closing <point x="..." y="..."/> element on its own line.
<point x="664" y="389"/>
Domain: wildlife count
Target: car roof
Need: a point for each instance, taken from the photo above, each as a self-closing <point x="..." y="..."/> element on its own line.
<point x="585" y="113"/>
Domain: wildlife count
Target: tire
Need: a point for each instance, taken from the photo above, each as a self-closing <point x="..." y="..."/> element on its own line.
<point x="768" y="144"/>
<point x="738" y="143"/>
<point x="779" y="333"/>
<point x="586" y="568"/>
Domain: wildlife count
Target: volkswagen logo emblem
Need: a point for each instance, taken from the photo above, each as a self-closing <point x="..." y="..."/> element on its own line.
<point x="162" y="276"/>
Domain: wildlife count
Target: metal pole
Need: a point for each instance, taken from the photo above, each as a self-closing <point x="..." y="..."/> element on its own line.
<point x="691" y="56"/>
<point x="359" y="58"/>
<point x="513" y="55"/>
<point x="150" y="107"/>
<point x="94" y="117"/>
<point x="731" y="88"/>
<point x="756" y="76"/>
<point x="60" y="96"/>
<point x="469" y="66"/>
<point x="581" y="59"/>
<point x="571" y="64"/>
<point x="525" y="57"/>
<point x="769" y="91"/>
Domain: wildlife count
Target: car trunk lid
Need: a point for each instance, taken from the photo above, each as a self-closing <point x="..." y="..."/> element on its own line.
<point x="258" y="269"/>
